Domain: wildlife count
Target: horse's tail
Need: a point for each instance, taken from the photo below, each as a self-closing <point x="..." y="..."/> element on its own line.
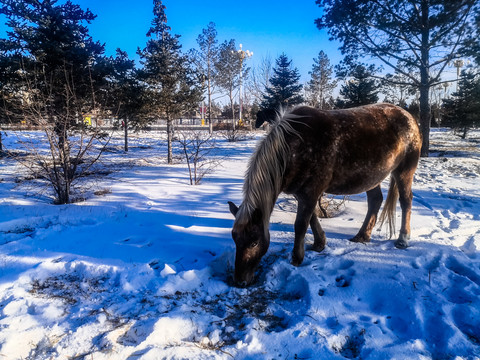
<point x="388" y="211"/>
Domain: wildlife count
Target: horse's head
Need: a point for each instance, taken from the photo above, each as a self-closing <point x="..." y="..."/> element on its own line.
<point x="252" y="241"/>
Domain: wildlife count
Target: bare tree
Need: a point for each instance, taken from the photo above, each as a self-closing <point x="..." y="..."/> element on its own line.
<point x="260" y="78"/>
<point x="396" y="89"/>
<point x="228" y="68"/>
<point x="320" y="87"/>
<point x="206" y="58"/>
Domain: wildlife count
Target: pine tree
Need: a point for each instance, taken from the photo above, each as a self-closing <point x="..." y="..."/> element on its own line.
<point x="173" y="85"/>
<point x="55" y="74"/>
<point x="284" y="89"/>
<point x="128" y="97"/>
<point x="360" y="89"/>
<point x="416" y="38"/>
<point x="10" y="77"/>
<point x="321" y="84"/>
<point x="206" y="58"/>
<point x="462" y="110"/>
<point x="51" y="47"/>
<point x="228" y="69"/>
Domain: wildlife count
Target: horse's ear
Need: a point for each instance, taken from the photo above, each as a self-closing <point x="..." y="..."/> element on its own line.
<point x="260" y="119"/>
<point x="257" y="216"/>
<point x="267" y="115"/>
<point x="233" y="208"/>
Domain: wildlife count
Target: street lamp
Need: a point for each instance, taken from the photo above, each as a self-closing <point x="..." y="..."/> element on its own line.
<point x="445" y="86"/>
<point x="242" y="55"/>
<point x="459" y="63"/>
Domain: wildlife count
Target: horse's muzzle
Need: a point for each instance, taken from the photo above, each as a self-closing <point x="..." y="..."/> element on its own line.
<point x="241" y="284"/>
<point x="244" y="280"/>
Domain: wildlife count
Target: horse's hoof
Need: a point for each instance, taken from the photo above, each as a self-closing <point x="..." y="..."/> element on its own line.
<point x="298" y="255"/>
<point x="318" y="248"/>
<point x="401" y="244"/>
<point x="296" y="262"/>
<point x="360" y="239"/>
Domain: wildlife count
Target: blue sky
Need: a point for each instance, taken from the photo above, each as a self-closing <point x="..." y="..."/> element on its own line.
<point x="267" y="28"/>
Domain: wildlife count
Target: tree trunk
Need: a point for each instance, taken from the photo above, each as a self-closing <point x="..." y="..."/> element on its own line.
<point x="66" y="194"/>
<point x="425" y="80"/>
<point x="62" y="141"/>
<point x="187" y="158"/>
<point x="125" y="129"/>
<point x="169" y="141"/>
<point x="425" y="119"/>
<point x="232" y="105"/>
<point x="210" y="125"/>
<point x="62" y="188"/>
<point x="322" y="100"/>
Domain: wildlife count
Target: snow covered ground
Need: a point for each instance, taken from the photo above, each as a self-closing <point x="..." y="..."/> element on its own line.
<point x="142" y="270"/>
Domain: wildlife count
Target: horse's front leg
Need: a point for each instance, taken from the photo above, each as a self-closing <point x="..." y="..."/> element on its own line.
<point x="304" y="216"/>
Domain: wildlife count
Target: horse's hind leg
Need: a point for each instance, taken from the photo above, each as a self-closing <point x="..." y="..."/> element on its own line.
<point x="319" y="238"/>
<point x="374" y="200"/>
<point x="404" y="183"/>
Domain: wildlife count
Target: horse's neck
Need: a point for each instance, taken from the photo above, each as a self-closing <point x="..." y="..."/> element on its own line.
<point x="264" y="201"/>
<point x="266" y="169"/>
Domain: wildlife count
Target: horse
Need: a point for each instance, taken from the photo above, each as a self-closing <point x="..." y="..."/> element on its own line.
<point x="309" y="152"/>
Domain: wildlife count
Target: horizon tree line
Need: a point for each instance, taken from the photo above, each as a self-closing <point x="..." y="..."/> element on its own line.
<point x="214" y="70"/>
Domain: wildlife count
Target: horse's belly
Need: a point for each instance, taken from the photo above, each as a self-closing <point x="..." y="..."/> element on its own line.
<point x="356" y="183"/>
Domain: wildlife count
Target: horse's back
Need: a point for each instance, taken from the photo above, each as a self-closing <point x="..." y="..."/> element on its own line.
<point x="352" y="150"/>
<point x="364" y="121"/>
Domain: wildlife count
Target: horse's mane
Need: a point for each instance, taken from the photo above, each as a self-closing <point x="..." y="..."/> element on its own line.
<point x="264" y="175"/>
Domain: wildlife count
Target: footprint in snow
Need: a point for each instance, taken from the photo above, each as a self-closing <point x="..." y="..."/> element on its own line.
<point x="453" y="264"/>
<point x="352" y="345"/>
<point x="469" y="248"/>
<point x="460" y="291"/>
<point x="155" y="264"/>
<point x="133" y="242"/>
<point x="345" y="264"/>
<point x="464" y="291"/>
<point x="345" y="280"/>
<point x="467" y="320"/>
<point x="454" y="224"/>
<point x="342" y="281"/>
<point x="429" y="262"/>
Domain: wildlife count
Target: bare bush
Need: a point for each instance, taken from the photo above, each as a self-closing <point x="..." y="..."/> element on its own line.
<point x="198" y="148"/>
<point x="233" y="135"/>
<point x="330" y="206"/>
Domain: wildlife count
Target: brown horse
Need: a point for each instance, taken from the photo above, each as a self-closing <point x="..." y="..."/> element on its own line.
<point x="309" y="152"/>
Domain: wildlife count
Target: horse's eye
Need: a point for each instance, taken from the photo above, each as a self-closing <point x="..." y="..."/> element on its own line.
<point x="253" y="245"/>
